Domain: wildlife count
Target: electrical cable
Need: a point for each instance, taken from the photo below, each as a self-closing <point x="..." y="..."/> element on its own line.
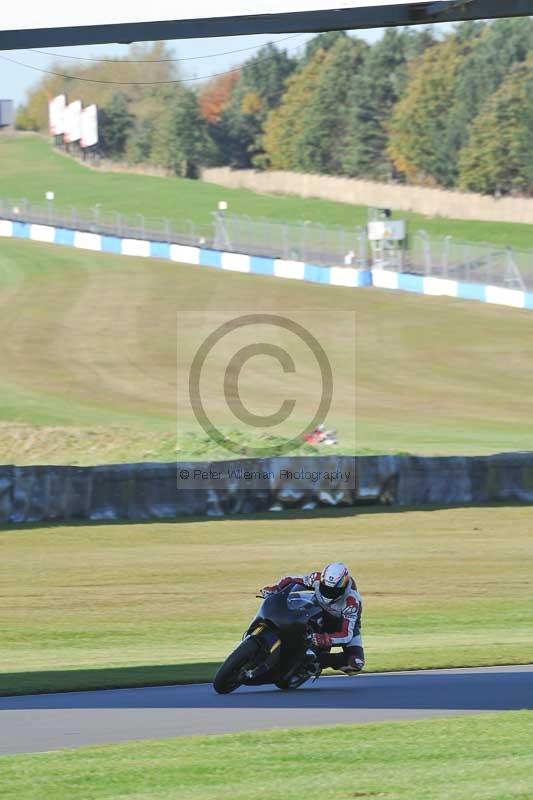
<point x="162" y="60"/>
<point x="123" y="83"/>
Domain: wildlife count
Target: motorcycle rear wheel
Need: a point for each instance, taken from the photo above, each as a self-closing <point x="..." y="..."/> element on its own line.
<point x="230" y="674"/>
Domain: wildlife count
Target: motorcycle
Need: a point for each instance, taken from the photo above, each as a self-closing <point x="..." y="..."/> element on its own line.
<point x="276" y="648"/>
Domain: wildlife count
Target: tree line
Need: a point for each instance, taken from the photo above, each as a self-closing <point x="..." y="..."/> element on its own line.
<point x="454" y="111"/>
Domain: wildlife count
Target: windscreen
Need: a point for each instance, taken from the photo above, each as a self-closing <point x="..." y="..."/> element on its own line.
<point x="299" y="599"/>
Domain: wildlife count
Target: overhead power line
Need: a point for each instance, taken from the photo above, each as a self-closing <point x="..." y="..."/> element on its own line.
<point x="124" y="83"/>
<point x="162" y="60"/>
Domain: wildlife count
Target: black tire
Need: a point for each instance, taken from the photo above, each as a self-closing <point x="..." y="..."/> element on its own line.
<point x="294" y="680"/>
<point x="286" y="686"/>
<point x="230" y="674"/>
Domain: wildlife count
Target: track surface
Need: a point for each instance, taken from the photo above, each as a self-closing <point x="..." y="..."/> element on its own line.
<point x="48" y="722"/>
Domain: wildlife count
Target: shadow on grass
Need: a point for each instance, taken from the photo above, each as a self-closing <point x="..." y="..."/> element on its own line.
<point x="73" y="680"/>
<point x="288" y="514"/>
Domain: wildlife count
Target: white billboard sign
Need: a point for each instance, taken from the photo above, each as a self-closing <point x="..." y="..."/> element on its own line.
<point x="89" y="126"/>
<point x="56" y="115"/>
<point x="73" y="122"/>
<point x="57" y="23"/>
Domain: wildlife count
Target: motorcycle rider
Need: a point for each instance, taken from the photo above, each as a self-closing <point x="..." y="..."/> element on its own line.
<point x="337" y="595"/>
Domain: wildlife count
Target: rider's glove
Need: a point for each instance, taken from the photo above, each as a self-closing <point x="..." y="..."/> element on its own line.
<point x="321" y="640"/>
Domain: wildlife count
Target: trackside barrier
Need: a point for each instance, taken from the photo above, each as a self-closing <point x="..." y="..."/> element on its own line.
<point x="350" y="277"/>
<point x="442" y="287"/>
<point x="152" y="491"/>
<point x="187" y="254"/>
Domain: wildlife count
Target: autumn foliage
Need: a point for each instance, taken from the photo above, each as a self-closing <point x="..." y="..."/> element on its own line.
<point x="216" y="95"/>
<point x="449" y="108"/>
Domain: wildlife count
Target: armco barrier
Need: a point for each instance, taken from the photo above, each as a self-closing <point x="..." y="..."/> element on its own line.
<point x="150" y="491"/>
<point x="257" y="265"/>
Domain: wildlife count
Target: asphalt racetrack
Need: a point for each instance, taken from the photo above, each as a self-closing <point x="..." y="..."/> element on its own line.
<point x="50" y="721"/>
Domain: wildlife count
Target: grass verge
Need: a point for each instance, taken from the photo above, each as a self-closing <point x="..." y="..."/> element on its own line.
<point x="90" y="362"/>
<point x="30" y="167"/>
<point x="484" y="756"/>
<point x="113" y="605"/>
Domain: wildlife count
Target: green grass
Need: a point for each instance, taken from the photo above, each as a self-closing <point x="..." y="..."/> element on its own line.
<point x="90" y="363"/>
<point x="483" y="756"/>
<point x="125" y="604"/>
<point x="30" y="167"/>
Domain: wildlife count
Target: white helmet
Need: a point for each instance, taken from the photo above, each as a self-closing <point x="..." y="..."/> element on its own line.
<point x="334" y="582"/>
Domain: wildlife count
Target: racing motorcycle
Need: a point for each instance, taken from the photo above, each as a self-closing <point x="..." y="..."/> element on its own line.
<point x="276" y="648"/>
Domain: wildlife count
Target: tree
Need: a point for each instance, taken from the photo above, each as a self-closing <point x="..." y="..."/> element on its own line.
<point x="420" y="146"/>
<point x="284" y="125"/>
<point x="497" y="47"/>
<point x="323" y="41"/>
<point x="98" y="84"/>
<point x="180" y="140"/>
<point x="33" y="115"/>
<point x="498" y="158"/>
<point x="140" y="142"/>
<point x="308" y="129"/>
<point x="115" y="125"/>
<point x="374" y="91"/>
<point x="238" y="134"/>
<point x="215" y="96"/>
<point x="233" y="136"/>
<point x="266" y="74"/>
<point x="324" y="130"/>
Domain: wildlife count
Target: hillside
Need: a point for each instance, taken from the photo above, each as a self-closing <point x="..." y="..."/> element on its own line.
<point x="88" y="367"/>
<point x="29" y="167"/>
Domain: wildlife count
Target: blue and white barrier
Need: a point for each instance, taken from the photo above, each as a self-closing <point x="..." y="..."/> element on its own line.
<point x="277" y="267"/>
<point x="442" y="287"/>
<point x="185" y="254"/>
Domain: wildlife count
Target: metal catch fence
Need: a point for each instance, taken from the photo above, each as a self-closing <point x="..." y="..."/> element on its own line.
<point x="469" y="262"/>
<point x="296" y="241"/>
<point x="313" y="243"/>
<point x="108" y="222"/>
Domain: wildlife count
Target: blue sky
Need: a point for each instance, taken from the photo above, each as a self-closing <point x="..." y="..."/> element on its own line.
<point x="215" y="57"/>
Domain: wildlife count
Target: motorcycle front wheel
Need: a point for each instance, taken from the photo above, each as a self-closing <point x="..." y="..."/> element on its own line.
<point x="231" y="674"/>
